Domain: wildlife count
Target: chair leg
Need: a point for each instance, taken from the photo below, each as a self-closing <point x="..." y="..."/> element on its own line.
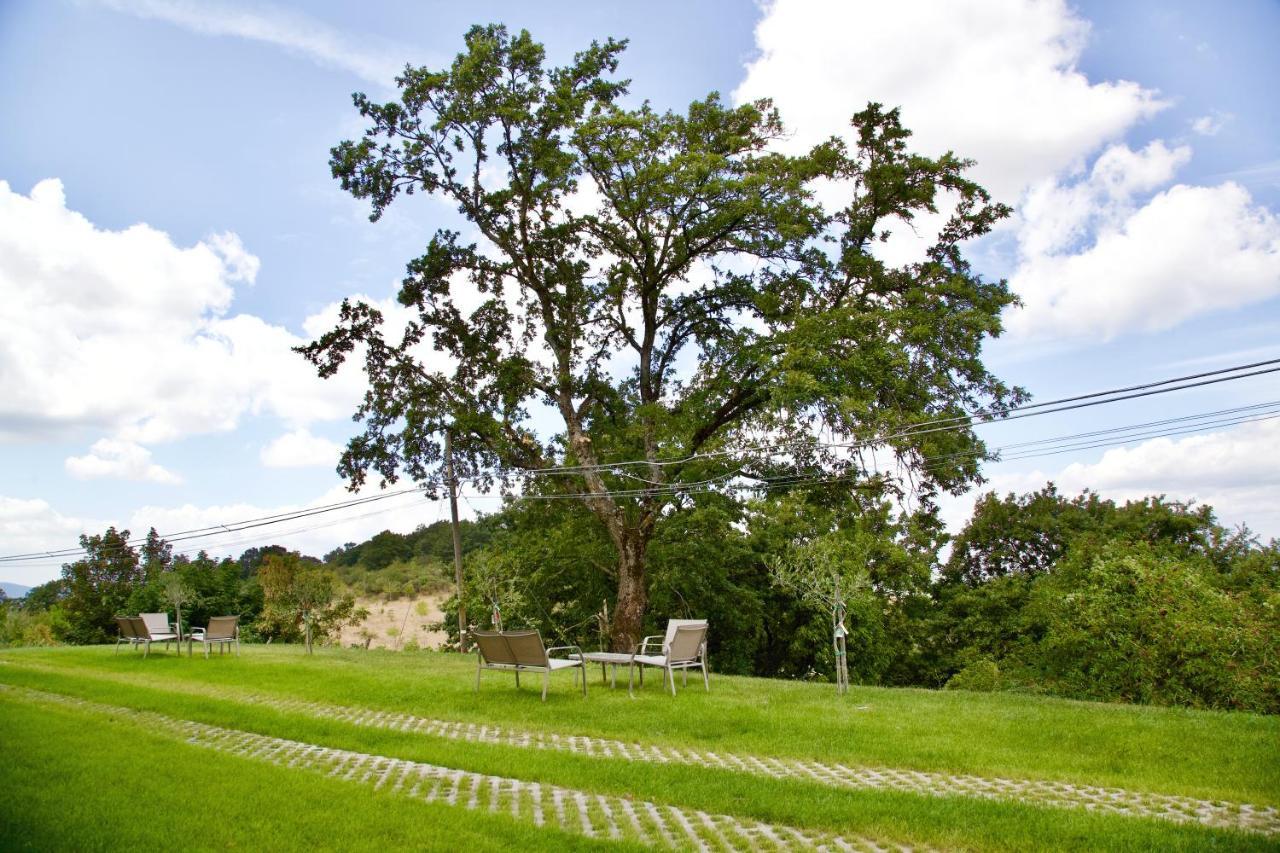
<point x="147" y="652"/>
<point x="117" y="645"/>
<point x="631" y="671"/>
<point x="517" y="678"/>
<point x="706" y="682"/>
<point x="584" y="681"/>
<point x="684" y="677"/>
<point x="671" y="676"/>
<point x="546" y="676"/>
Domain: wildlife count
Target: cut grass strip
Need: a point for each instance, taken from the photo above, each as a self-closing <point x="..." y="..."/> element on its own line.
<point x="1220" y="814"/>
<point x="941" y="822"/>
<point x="576" y="811"/>
<point x="1205" y="755"/>
<point x="90" y="783"/>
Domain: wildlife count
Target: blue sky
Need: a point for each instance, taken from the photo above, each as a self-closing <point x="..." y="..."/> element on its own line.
<point x="168" y="226"/>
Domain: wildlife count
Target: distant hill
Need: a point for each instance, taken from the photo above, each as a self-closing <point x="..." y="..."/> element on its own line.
<point x="14" y="590"/>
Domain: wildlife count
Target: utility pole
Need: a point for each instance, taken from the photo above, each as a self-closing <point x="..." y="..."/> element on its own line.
<point x="457" y="539"/>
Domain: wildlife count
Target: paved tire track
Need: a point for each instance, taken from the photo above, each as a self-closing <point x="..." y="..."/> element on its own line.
<point x="593" y="815"/>
<point x="1109" y="800"/>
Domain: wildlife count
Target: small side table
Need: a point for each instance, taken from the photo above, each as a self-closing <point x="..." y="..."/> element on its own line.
<point x="605" y="659"/>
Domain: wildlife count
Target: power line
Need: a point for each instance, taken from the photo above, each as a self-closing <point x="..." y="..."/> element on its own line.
<point x="1062" y="404"/>
<point x="263" y="538"/>
<point x="1052" y="446"/>
<point x="232" y="526"/>
<point x="937" y="425"/>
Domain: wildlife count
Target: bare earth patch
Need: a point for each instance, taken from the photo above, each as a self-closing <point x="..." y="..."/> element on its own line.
<point x="392" y="624"/>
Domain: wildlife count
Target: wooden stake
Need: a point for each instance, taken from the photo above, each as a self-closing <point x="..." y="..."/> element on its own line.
<point x="457" y="540"/>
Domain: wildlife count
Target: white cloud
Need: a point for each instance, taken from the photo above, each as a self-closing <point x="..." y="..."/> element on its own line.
<point x="1210" y="125"/>
<point x="126" y="333"/>
<point x="993" y="80"/>
<point x="1057" y="216"/>
<point x="290" y="30"/>
<point x="1189" y="251"/>
<point x="122" y="460"/>
<point x="1105" y="246"/>
<point x="32" y="525"/>
<point x="300" y="449"/>
<point x="1235" y="471"/>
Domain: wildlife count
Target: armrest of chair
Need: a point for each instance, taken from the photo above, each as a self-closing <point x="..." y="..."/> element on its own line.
<point x="578" y="649"/>
<point x="640" y="649"/>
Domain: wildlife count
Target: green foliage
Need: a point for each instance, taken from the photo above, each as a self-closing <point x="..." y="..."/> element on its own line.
<point x="1150" y="601"/>
<point x="45" y="596"/>
<point x="384" y="549"/>
<point x="24" y="626"/>
<point x="398" y="580"/>
<point x="302" y="600"/>
<point x="1134" y="624"/>
<point x="981" y="676"/>
<point x="698" y="240"/>
<point x="98" y="586"/>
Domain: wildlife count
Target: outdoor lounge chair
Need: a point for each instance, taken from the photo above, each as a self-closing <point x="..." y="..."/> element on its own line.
<point x="127" y="633"/>
<point x="658" y="643"/>
<point x="155" y="628"/>
<point x="523" y="651"/>
<point x="222" y="631"/>
<point x="684" y="648"/>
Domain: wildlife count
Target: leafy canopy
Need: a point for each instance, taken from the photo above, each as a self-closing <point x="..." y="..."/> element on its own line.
<point x="665" y="282"/>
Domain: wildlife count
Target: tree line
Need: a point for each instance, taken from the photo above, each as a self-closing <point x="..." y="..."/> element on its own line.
<point x="1147" y="601"/>
<point x="279" y="595"/>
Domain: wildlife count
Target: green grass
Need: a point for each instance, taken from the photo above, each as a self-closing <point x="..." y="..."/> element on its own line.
<point x="88" y="784"/>
<point x="1212" y="755"/>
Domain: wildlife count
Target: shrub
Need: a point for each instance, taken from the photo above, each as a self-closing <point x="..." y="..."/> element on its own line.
<point x="1135" y="624"/>
<point x="20" y="627"/>
<point x="981" y="676"/>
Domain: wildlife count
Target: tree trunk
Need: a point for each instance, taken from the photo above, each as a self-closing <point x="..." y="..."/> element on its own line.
<point x="633" y="596"/>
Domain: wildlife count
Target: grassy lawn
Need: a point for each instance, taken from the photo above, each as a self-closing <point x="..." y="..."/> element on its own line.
<point x="97" y="781"/>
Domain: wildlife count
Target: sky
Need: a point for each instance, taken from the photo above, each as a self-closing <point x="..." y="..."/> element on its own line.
<point x="169" y="229"/>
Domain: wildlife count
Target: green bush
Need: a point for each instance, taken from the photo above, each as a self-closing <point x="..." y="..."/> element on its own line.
<point x="982" y="676"/>
<point x="21" y="627"/>
<point x="1135" y="624"/>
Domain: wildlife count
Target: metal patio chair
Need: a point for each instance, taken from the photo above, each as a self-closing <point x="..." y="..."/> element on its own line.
<point x="684" y="648"/>
<point x="523" y="651"/>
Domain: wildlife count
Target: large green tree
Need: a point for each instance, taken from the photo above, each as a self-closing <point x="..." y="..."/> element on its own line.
<point x="667" y="284"/>
<point x="98" y="585"/>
